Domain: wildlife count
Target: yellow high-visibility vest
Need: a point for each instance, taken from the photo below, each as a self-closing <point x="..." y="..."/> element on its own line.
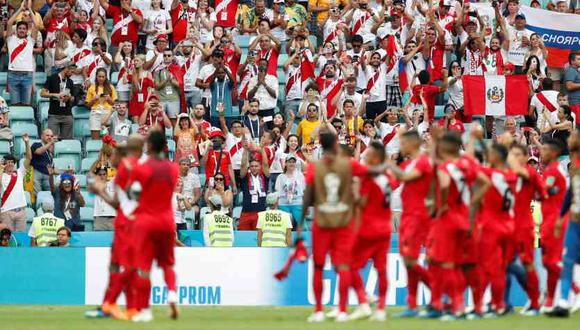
<point x="274" y="224"/>
<point x="45" y="228"/>
<point x="220" y="227"/>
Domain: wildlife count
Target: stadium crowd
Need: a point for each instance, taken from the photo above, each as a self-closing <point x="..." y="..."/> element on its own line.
<point x="242" y="90"/>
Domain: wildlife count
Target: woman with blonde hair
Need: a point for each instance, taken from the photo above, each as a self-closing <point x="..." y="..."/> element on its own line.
<point x="99" y="30"/>
<point x="141" y="87"/>
<point x="124" y="60"/>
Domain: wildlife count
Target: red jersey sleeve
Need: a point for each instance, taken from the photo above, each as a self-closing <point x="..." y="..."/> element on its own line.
<point x="113" y="11"/>
<point x="309" y="176"/>
<point x="424" y="166"/>
<point x="357" y="168"/>
<point x="537" y="182"/>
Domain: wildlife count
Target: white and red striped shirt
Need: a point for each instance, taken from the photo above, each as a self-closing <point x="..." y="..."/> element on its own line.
<point x="20" y="54"/>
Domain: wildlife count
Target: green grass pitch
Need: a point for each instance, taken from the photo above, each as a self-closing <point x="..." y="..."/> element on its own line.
<point x="254" y="318"/>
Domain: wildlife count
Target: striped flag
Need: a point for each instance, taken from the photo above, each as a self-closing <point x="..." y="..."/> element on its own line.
<point x="496" y="95"/>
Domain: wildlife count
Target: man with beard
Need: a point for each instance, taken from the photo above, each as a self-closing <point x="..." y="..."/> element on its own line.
<point x="264" y="87"/>
<point x="496" y="54"/>
<point x="329" y="83"/>
<point x="376" y="73"/>
<point x="190" y="61"/>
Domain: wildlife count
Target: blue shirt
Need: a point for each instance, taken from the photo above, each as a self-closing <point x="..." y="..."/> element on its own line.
<point x="73" y="207"/>
<point x="39" y="162"/>
<point x="572" y="74"/>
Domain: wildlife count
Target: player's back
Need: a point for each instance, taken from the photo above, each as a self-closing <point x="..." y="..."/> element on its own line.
<point x="415" y="192"/>
<point x="158" y="179"/>
<point x="462" y="175"/>
<point x="556" y="185"/>
<point x="499" y="200"/>
<point x="526" y="190"/>
<point x="376" y="194"/>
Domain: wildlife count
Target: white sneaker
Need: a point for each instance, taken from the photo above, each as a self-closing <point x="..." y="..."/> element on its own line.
<point x="379" y="316"/>
<point x="526" y="307"/>
<point x="333" y="313"/>
<point x="576" y="305"/>
<point x="172" y="301"/>
<point x="546" y="309"/>
<point x="146" y="315"/>
<point x="361" y="312"/>
<point x="372" y="299"/>
<point x="316" y="317"/>
<point x="342" y="317"/>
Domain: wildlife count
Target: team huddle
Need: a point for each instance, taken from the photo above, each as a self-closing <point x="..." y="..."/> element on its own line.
<point x="467" y="204"/>
<point x="144" y="227"/>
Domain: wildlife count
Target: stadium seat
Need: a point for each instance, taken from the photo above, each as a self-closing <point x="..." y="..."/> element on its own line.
<point x="65" y="164"/>
<point x="89" y="199"/>
<point x="21" y="114"/>
<point x="169" y="133"/>
<point x="243" y="41"/>
<point x="81" y="129"/>
<point x="202" y="179"/>
<point x="281" y="77"/>
<point x="42" y="195"/>
<point x="68" y="148"/>
<point x="114" y="77"/>
<point x="281" y="60"/>
<point x="93" y="147"/>
<point x="86" y="164"/>
<point x="80" y="112"/>
<point x="87" y="217"/>
<point x="4" y="77"/>
<point x="109" y="23"/>
<point x="18" y="148"/>
<point x="439" y="111"/>
<point x="21" y="128"/>
<point x="5" y="147"/>
<point x="39" y="77"/>
<point x="44" y="106"/>
<point x="30" y="214"/>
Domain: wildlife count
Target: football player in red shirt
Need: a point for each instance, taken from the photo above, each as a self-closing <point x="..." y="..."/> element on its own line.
<point x="498" y="226"/>
<point x="452" y="224"/>
<point x="374" y="232"/>
<point x="417" y="176"/>
<point x="125" y="158"/>
<point x="152" y="184"/>
<point x="331" y="237"/>
<point x="556" y="185"/>
<point x="529" y="185"/>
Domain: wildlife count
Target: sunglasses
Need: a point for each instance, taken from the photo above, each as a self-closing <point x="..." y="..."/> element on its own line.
<point x="167" y="55"/>
<point x="218" y="179"/>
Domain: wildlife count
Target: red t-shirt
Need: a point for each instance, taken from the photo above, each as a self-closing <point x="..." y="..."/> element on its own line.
<point x="462" y="174"/>
<point x="430" y="92"/>
<point x="556" y="186"/>
<point x="526" y="190"/>
<point x="499" y="200"/>
<point x="415" y="192"/>
<point x="180" y="20"/>
<point x="376" y="212"/>
<point x="436" y="61"/>
<point x="136" y="108"/>
<point x="158" y="179"/>
<point x="457" y="126"/>
<point x="211" y="164"/>
<point x="123" y="31"/>
<point x="121" y="180"/>
<point x="272" y="57"/>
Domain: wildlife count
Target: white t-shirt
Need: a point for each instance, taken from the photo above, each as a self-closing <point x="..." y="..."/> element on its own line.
<point x="98" y="60"/>
<point x="178" y="215"/>
<point x="206" y="72"/>
<point x="392" y="146"/>
<point x="295" y="92"/>
<point x="16" y="199"/>
<point x="472" y="62"/>
<point x="456" y="94"/>
<point x="191" y="71"/>
<point x="24" y="60"/>
<point x="102" y="209"/>
<point x="232" y="145"/>
<point x="378" y="91"/>
<point x="416" y="64"/>
<point x="290" y="189"/>
<point x="158" y="60"/>
<point x="156" y="20"/>
<point x="76" y="55"/>
<point x="361" y="78"/>
<point x="356" y="98"/>
<point x="266" y="100"/>
<point x="552" y="97"/>
<point x="517" y="52"/>
<point x="124" y="85"/>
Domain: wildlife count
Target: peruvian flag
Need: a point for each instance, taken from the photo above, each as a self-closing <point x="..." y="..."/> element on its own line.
<point x="306" y="68"/>
<point x="496" y="95"/>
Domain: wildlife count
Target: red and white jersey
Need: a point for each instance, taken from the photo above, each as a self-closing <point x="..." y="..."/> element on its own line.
<point x="330" y="32"/>
<point x="472" y="62"/>
<point x="250" y="71"/>
<point x="361" y="78"/>
<point x="76" y="55"/>
<point x="375" y="193"/>
<point x="293" y="83"/>
<point x="499" y="200"/>
<point x="53" y="26"/>
<point x="153" y="53"/>
<point x="125" y="28"/>
<point x="545" y="101"/>
<point x="437" y="60"/>
<point x="191" y="66"/>
<point x="557" y="182"/>
<point x="362" y="23"/>
<point x="389" y="137"/>
<point x="376" y="82"/>
<point x="462" y="174"/>
<point x="235" y="148"/>
<point x="328" y="89"/>
<point x="92" y="62"/>
<point x="271" y="56"/>
<point x="494" y="61"/>
<point x="526" y="191"/>
<point x="226" y="12"/>
<point x="20" y="54"/>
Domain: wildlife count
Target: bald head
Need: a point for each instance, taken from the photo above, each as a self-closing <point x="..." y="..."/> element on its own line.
<point x="47" y="136"/>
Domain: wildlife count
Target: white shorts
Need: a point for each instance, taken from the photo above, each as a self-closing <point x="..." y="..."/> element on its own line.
<point x="95" y="119"/>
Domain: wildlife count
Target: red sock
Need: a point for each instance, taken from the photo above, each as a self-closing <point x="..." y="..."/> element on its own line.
<point x="423" y="274"/>
<point x="449" y="285"/>
<point x="343" y="286"/>
<point x="412" y="285"/>
<point x="143" y="286"/>
<point x="129" y="290"/>
<point x="317" y="286"/>
<point x="575" y="288"/>
<point x="358" y="286"/>
<point x="436" y="286"/>
<point x="533" y="288"/>
<point x="169" y="275"/>
<point x="553" y="277"/>
<point x="498" y="290"/>
<point x="473" y="278"/>
<point x="459" y="291"/>
<point x="113" y="286"/>
<point x="383" y="285"/>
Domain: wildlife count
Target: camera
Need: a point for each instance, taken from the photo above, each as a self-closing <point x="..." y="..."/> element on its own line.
<point x="494" y="3"/>
<point x="363" y="6"/>
<point x="217" y="145"/>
